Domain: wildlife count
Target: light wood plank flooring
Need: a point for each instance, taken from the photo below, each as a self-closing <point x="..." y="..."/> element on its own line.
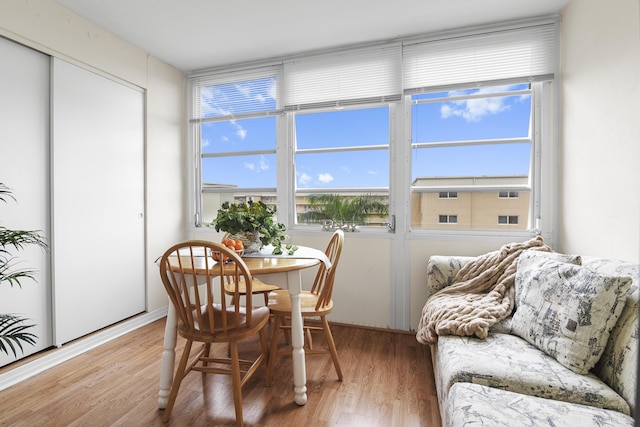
<point x="388" y="381"/>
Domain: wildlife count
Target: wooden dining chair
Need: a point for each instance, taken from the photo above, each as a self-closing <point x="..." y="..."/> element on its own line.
<point x="257" y="287"/>
<point x="316" y="302"/>
<point x="205" y="317"/>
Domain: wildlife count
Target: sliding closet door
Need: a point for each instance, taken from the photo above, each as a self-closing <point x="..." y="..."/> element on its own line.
<point x="98" y="201"/>
<point x="24" y="168"/>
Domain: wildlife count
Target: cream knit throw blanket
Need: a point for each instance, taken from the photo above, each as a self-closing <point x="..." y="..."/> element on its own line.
<point x="482" y="294"/>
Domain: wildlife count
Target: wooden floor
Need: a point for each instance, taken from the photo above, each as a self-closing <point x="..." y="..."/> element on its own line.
<point x="388" y="381"/>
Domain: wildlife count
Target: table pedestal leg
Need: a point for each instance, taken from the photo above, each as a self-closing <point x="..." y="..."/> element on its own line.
<point x="297" y="339"/>
<point x="168" y="357"/>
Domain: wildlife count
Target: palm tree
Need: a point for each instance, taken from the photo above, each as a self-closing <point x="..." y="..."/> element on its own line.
<point x="13" y="330"/>
<point x="343" y="210"/>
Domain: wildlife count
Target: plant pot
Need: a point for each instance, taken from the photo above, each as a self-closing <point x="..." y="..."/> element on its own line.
<point x="250" y="240"/>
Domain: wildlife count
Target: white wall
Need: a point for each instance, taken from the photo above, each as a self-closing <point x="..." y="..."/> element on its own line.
<point x="48" y="27"/>
<point x="599" y="209"/>
<point x="600" y="182"/>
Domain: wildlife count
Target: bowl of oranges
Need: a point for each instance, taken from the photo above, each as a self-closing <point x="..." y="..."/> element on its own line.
<point x="235" y="245"/>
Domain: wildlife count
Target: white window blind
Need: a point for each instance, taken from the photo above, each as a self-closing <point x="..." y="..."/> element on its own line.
<point x="355" y="76"/>
<point x="235" y="93"/>
<point x="515" y="54"/>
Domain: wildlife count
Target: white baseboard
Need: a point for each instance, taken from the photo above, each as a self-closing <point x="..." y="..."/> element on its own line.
<point x="73" y="349"/>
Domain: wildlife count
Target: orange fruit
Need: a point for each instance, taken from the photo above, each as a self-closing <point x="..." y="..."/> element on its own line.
<point x="217" y="255"/>
<point x="239" y="245"/>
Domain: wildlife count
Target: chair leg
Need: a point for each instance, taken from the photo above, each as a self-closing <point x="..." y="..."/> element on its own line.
<point x="286" y="331"/>
<point x="263" y="343"/>
<point x="273" y="352"/>
<point x="309" y="338"/>
<point x="332" y="346"/>
<point x="237" y="381"/>
<point x="205" y="352"/>
<point x="177" y="380"/>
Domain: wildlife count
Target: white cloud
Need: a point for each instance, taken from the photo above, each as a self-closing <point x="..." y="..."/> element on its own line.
<point x="325" y="178"/>
<point x="472" y="110"/>
<point x="304" y="179"/>
<point x="372" y="172"/>
<point x="241" y="132"/>
<point x="345" y="169"/>
<point x="245" y="90"/>
<point x="261" y="165"/>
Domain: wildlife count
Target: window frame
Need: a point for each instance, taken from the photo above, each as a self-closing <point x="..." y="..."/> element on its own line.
<point x="195" y="120"/>
<point x="447" y="195"/>
<point x="542" y="133"/>
<point x="544" y="130"/>
<point x="290" y="161"/>
<point x="449" y="218"/>
<point x="508" y="219"/>
<point x="510" y="195"/>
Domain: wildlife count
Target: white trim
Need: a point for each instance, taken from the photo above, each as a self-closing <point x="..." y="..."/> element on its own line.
<point x="69" y="351"/>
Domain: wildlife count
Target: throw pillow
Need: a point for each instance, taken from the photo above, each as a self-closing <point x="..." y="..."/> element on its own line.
<point x="567" y="310"/>
<point x="535" y="259"/>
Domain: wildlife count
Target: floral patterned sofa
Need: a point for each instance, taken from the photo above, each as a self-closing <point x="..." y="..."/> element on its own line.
<point x="507" y="381"/>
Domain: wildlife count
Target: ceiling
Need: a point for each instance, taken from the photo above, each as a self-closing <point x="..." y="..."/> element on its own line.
<point x="198" y="34"/>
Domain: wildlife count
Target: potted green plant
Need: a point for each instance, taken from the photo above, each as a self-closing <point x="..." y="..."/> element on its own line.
<point x="254" y="224"/>
<point x="13" y="330"/>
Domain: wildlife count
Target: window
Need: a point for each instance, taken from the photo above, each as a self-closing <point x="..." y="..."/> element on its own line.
<point x="440" y="120"/>
<point x="448" y="219"/>
<point x="234" y="128"/>
<point x="448" y="195"/>
<point x="508" y="219"/>
<point x="465" y="143"/>
<point x="508" y="195"/>
<point x="342" y="167"/>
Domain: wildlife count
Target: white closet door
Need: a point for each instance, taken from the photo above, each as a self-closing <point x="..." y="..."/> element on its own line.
<point x="98" y="201"/>
<point x="24" y="167"/>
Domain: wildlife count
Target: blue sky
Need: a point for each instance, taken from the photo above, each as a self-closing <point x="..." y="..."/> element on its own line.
<point x="471" y="119"/>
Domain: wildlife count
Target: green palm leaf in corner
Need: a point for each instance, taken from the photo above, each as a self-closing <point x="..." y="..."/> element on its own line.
<point x="13" y="330"/>
<point x="12" y="333"/>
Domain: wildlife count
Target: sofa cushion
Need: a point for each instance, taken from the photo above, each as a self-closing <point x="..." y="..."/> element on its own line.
<point x="618" y="365"/>
<point x="510" y="363"/>
<point x="474" y="404"/>
<point x="567" y="310"/>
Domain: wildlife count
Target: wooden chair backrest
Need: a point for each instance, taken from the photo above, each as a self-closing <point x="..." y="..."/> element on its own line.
<point x="323" y="283"/>
<point x="190" y="262"/>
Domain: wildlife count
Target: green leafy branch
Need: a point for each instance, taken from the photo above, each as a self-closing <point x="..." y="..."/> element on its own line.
<point x="13" y="330"/>
<point x="13" y="333"/>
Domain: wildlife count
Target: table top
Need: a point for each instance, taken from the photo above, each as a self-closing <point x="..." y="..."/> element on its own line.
<point x="256" y="265"/>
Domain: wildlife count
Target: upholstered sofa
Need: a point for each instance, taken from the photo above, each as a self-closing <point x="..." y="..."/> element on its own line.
<point x="505" y="380"/>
